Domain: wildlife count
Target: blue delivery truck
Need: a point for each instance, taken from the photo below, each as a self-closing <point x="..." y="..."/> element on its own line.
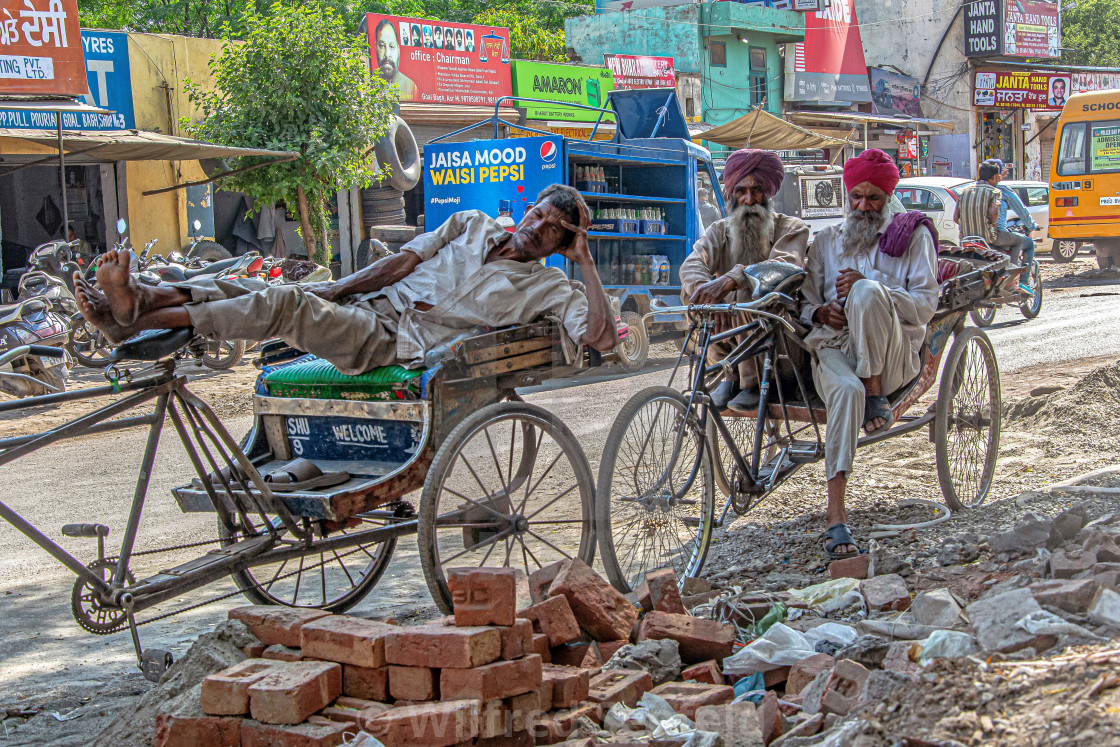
<point x="651" y="191"/>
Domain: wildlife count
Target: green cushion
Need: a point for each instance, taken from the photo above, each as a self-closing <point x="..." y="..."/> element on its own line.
<point x="318" y="379"/>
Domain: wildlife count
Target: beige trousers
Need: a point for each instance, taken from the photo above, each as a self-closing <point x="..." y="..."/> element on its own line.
<point x="873" y="345"/>
<point x="356" y="336"/>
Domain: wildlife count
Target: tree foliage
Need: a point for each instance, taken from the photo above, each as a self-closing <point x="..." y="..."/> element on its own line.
<point x="527" y="40"/>
<point x="1091" y="29"/>
<point x="299" y="82"/>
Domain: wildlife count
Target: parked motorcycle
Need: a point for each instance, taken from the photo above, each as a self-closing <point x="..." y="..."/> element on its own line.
<point x="1030" y="304"/>
<point x="32" y="356"/>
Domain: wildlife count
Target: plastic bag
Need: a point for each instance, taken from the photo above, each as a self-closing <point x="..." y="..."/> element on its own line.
<point x="947" y="644"/>
<point x="780" y="646"/>
<point x="830" y="596"/>
<point x="674" y="726"/>
<point x="840" y="635"/>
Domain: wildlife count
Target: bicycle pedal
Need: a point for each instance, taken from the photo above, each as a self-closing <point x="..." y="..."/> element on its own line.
<point x="85" y="530"/>
<point x="802" y="452"/>
<point x="154" y="662"/>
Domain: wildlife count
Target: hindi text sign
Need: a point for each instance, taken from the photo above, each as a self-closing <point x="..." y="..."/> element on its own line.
<point x="41" y="48"/>
<point x="639" y="71"/>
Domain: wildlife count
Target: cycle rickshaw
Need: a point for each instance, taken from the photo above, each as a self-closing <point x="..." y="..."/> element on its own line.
<point x="502" y="482"/>
<point x="668" y="452"/>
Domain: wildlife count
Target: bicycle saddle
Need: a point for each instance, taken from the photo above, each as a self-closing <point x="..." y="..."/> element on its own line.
<point x="773" y="276"/>
<point x="152" y="345"/>
<point x="174" y="273"/>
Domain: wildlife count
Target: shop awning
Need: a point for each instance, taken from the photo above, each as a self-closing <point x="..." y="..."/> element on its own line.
<point x="84" y="147"/>
<point x="905" y="123"/>
<point x="761" y="129"/>
<point x="429" y="121"/>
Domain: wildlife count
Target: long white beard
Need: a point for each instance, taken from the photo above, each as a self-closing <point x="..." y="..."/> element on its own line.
<point x="862" y="228"/>
<point x="751" y="228"/>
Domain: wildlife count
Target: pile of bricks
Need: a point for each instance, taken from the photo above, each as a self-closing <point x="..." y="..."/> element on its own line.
<point x="490" y="676"/>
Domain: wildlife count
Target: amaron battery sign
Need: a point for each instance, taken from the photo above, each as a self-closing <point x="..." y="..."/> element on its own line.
<point x="41" y="48"/>
<point x="829" y="65"/>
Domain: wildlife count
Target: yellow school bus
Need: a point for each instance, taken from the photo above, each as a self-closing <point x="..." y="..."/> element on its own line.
<point x="1085" y="174"/>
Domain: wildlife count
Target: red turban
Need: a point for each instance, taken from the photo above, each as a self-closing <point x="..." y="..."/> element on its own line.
<point x="763" y="165"/>
<point x="873" y="166"/>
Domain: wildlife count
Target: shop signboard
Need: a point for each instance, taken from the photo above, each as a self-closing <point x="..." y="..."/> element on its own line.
<point x="1104" y="148"/>
<point x="435" y="62"/>
<point x="623" y="6"/>
<point x="109" y="77"/>
<point x="41" y="48"/>
<point x="486" y="174"/>
<point x="572" y="84"/>
<point x="1002" y="89"/>
<point x="640" y="71"/>
<point x="1030" y="28"/>
<point x="983" y="28"/>
<point x="1083" y="82"/>
<point x="829" y="65"/>
<point x="894" y="94"/>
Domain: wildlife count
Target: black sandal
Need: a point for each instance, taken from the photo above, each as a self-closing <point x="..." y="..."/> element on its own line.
<point x="839" y="534"/>
<point x="877" y="406"/>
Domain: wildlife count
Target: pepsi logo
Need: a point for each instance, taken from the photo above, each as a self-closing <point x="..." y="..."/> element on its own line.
<point x="548" y="151"/>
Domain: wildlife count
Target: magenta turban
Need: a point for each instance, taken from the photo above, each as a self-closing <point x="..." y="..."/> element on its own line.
<point x="873" y="166"/>
<point x="763" y="165"/>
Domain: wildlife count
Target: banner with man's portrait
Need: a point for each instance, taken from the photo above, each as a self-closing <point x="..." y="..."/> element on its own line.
<point x="434" y="62"/>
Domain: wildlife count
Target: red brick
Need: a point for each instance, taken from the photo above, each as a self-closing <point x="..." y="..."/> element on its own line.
<point x="554" y="727"/>
<point x="686" y="697"/>
<point x="699" y="639"/>
<point x="885" y="593"/>
<point x="769" y="717"/>
<point x="319" y="733"/>
<point x="541" y="647"/>
<point x="226" y="693"/>
<point x="607" y="649"/>
<point x="599" y="607"/>
<point x="659" y="591"/>
<point x="541" y="579"/>
<point x="429" y="725"/>
<point x="554" y="618"/>
<point x="483" y="596"/>
<point x="569" y="685"/>
<point x="276" y="652"/>
<point x="619" y="686"/>
<point x="517" y="639"/>
<point x="592" y="659"/>
<point x="771" y="678"/>
<point x="524" y="709"/>
<point x="706" y="671"/>
<point x="181" y="731"/>
<point x="370" y="683"/>
<point x="290" y="693"/>
<point x="348" y="709"/>
<point x="853" y="567"/>
<point x="570" y="654"/>
<point x="1071" y="596"/>
<point x="437" y="646"/>
<point x="275" y="624"/>
<point x="502" y="679"/>
<point x="254" y="650"/>
<point x="492" y="719"/>
<point x="842" y="691"/>
<point x="517" y="739"/>
<point x="805" y="671"/>
<point x="413" y="683"/>
<point x="347" y="640"/>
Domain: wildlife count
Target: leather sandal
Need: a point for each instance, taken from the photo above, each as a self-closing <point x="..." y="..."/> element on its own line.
<point x="839" y="534"/>
<point x="877" y="406"/>
<point x="302" y="474"/>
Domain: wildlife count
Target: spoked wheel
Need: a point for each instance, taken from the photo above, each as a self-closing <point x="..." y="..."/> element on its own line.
<point x="1064" y="250"/>
<point x="223" y="354"/>
<point x="967" y="421"/>
<point x="650" y="516"/>
<point x="634" y="350"/>
<point x="726" y="471"/>
<point x="88" y="345"/>
<point x="1032" y="305"/>
<point x="333" y="580"/>
<point x="983" y="317"/>
<point x="509" y="486"/>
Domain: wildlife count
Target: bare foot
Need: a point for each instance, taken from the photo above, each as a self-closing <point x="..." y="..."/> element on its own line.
<point x="96" y="309"/>
<point x="119" y="287"/>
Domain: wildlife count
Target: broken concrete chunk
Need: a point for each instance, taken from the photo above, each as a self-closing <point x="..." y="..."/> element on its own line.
<point x="885" y="593"/>
<point x="1070" y="595"/>
<point x="867" y="650"/>
<point x="994" y="619"/>
<point x="661" y="658"/>
<point x="1105" y="609"/>
<point x="737" y="723"/>
<point x="937" y="608"/>
<point x="1031" y="534"/>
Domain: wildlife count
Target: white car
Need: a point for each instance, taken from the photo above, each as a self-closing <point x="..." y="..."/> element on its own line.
<point x="936" y="196"/>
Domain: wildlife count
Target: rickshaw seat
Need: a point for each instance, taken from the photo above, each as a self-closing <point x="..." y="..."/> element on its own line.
<point x="947" y="269"/>
<point x="315" y="378"/>
<point x="770" y="276"/>
<point x="152" y="345"/>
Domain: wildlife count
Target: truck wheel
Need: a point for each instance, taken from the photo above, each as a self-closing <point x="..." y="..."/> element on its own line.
<point x="1107" y="253"/>
<point x="634" y="350"/>
<point x="1065" y="250"/>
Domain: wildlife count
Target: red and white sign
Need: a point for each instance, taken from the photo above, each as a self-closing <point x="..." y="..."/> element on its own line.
<point x="829" y="65"/>
<point x="637" y="71"/>
<point x="1030" y="28"/>
<point x="41" y="48"/>
<point x="434" y="62"/>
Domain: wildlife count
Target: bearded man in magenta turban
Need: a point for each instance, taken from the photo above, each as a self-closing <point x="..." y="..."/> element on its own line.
<point x="751" y="233"/>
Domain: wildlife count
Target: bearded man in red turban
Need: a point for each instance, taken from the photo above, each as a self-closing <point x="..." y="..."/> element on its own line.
<point x="870" y="292"/>
<point x="751" y="233"/>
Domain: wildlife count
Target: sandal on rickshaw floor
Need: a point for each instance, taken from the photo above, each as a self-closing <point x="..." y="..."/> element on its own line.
<point x="877" y="406"/>
<point x="302" y="474"/>
<point x="839" y="534"/>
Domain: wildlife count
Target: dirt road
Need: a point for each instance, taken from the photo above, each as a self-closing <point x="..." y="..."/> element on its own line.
<point x="51" y="663"/>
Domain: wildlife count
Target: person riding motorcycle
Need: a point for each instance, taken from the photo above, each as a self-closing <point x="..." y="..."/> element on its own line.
<point x="982" y="211"/>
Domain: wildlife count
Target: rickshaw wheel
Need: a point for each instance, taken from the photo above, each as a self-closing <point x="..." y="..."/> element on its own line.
<point x="509" y="486"/>
<point x="641" y="526"/>
<point x="983" y="317"/>
<point x="334" y="580"/>
<point x="1033" y="305"/>
<point x="967" y="420"/>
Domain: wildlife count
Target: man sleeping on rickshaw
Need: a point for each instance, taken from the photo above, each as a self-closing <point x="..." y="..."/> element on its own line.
<point x="469" y="272"/>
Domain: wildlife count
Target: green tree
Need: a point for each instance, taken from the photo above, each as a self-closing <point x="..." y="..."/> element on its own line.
<point x="1091" y="30"/>
<point x="300" y="82"/>
<point x="527" y="39"/>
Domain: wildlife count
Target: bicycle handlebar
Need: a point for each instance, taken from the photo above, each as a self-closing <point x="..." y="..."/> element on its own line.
<point x="752" y="307"/>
